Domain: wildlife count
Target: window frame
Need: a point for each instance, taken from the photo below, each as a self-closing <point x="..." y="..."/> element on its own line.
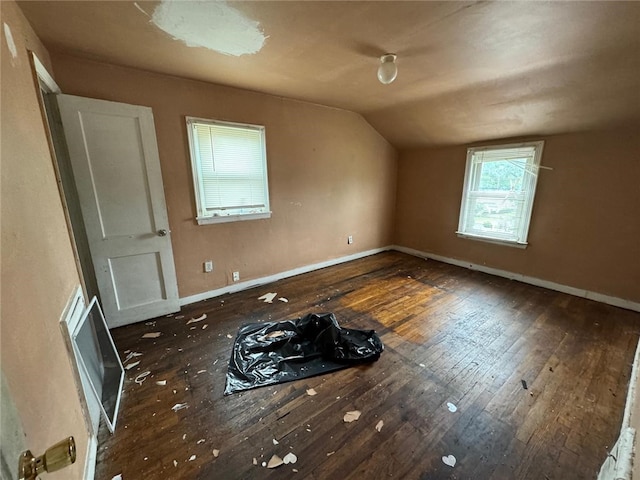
<point x="532" y="166"/>
<point x="202" y="216"/>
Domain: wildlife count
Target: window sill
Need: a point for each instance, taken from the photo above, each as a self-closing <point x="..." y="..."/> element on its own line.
<point x="497" y="241"/>
<point x="232" y="218"/>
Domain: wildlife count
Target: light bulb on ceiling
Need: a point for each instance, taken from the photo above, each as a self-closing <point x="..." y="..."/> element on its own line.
<point x="388" y="70"/>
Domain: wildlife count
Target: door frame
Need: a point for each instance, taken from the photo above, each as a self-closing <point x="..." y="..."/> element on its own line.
<point x="44" y="82"/>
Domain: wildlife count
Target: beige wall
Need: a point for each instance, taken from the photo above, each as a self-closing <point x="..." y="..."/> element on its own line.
<point x="330" y="174"/>
<point x="585" y="228"/>
<point x="38" y="268"/>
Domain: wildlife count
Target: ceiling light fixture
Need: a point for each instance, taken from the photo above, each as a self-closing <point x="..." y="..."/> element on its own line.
<point x="388" y="70"/>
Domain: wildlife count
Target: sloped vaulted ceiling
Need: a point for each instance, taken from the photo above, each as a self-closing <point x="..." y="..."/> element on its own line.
<point x="467" y="71"/>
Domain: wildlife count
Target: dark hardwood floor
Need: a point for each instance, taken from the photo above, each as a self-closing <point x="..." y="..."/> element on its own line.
<point x="451" y="336"/>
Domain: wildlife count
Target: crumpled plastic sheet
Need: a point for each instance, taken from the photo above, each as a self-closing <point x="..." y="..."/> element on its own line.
<point x="277" y="352"/>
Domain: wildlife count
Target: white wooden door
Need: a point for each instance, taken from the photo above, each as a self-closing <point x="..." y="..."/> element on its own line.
<point x="114" y="157"/>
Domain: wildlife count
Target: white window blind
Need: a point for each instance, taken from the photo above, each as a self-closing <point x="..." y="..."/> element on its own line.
<point x="230" y="170"/>
<point x="498" y="192"/>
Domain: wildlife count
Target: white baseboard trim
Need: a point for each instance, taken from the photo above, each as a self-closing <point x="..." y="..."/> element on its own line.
<point x="237" y="287"/>
<point x="598" y="297"/>
<point x="92" y="456"/>
<point x="629" y="406"/>
<point x="618" y="464"/>
<point x="630" y="420"/>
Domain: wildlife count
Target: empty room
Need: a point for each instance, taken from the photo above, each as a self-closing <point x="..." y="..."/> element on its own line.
<point x="319" y="240"/>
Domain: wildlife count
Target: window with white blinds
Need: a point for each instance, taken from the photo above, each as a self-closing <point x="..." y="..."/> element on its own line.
<point x="229" y="170"/>
<point x="499" y="188"/>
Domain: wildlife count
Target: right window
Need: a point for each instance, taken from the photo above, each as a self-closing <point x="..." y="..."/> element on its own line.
<point x="499" y="186"/>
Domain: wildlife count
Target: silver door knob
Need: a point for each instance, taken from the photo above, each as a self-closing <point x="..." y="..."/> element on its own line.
<point x="162" y="233"/>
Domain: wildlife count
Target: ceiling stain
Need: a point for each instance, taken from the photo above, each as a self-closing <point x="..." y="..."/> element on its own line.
<point x="213" y="25"/>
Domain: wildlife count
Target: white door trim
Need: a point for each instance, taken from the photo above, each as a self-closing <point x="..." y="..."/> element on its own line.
<point x="45" y="77"/>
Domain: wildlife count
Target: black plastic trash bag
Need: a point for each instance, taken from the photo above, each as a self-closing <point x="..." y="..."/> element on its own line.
<point x="278" y="352"/>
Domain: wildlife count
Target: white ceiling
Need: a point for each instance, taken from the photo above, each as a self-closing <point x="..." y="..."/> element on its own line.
<point x="467" y="71"/>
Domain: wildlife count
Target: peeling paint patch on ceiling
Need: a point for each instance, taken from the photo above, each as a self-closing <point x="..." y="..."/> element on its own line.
<point x="213" y="25"/>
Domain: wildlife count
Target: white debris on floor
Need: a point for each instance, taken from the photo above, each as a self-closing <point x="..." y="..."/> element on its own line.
<point x="179" y="406"/>
<point x="379" y="425"/>
<point x="311" y="392"/>
<point x="199" y="319"/>
<point x="131" y="365"/>
<point x="290" y="458"/>
<point x="452" y="408"/>
<point x="352" y="416"/>
<point x="449" y="460"/>
<point x="152" y="335"/>
<point x="132" y="355"/>
<point x="275" y="461"/>
<point x="142" y="377"/>
<point x="268" y="297"/>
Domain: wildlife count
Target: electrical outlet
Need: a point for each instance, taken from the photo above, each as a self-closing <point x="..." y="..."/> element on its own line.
<point x="236" y="276"/>
<point x="350" y="239"/>
<point x="208" y="266"/>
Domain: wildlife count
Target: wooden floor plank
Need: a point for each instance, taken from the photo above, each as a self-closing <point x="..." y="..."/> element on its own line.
<point x="451" y="335"/>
